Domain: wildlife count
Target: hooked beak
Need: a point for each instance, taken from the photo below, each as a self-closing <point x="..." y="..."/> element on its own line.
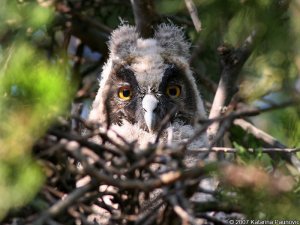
<point x="150" y="103"/>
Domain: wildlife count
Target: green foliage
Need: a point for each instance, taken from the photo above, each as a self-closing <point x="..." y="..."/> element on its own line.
<point x="263" y="205"/>
<point x="287" y="126"/>
<point x="258" y="194"/>
<point x="170" y="6"/>
<point x="33" y="91"/>
<point x="274" y="64"/>
<point x="23" y="16"/>
<point x="21" y="177"/>
<point x="246" y="157"/>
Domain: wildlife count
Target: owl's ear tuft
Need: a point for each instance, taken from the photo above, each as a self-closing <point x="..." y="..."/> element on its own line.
<point x="123" y="40"/>
<point x="171" y="38"/>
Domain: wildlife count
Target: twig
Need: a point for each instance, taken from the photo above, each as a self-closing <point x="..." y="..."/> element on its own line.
<point x="215" y="206"/>
<point x="194" y="14"/>
<point x="100" y="149"/>
<point x="203" y="129"/>
<point x="62" y="8"/>
<point x="77" y="64"/>
<point x="234" y="150"/>
<point x="151" y="184"/>
<point x="226" y="123"/>
<point x="92" y="22"/>
<point x="230" y="117"/>
<point x="186" y="218"/>
<point x="90" y="32"/>
<point x="94" y="127"/>
<point x="177" y="19"/>
<point x="144" y="16"/>
<point x="164" y="123"/>
<point x="234" y="115"/>
<point x="206" y="82"/>
<point x="259" y="134"/>
<point x="213" y="219"/>
<point x="66" y="42"/>
<point x="250" y="112"/>
<point x="63" y="204"/>
<point x="150" y="216"/>
<point x="90" y="36"/>
<point x="232" y="61"/>
<point x="223" y="128"/>
<point x="269" y="141"/>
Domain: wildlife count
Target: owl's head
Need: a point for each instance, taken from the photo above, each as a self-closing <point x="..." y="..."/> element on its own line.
<point x="146" y="79"/>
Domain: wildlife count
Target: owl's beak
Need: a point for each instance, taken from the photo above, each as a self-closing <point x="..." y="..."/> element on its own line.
<point x="150" y="103"/>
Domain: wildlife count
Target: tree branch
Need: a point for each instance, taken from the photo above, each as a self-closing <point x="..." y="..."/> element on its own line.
<point x="89" y="31"/>
<point x="194" y="14"/>
<point x="270" y="142"/>
<point x="151" y="184"/>
<point x="232" y="61"/>
<point x="144" y="16"/>
<point x="63" y="204"/>
<point x="234" y="150"/>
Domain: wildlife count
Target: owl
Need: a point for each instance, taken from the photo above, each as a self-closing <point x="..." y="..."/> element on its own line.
<point x="145" y="81"/>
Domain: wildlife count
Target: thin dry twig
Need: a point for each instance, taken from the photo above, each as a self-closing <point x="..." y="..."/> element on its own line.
<point x="186" y="218"/>
<point x="234" y="150"/>
<point x="194" y="14"/>
<point x="63" y="204"/>
<point x="144" y="16"/>
<point x="269" y="141"/>
<point x="213" y="219"/>
<point x="232" y="61"/>
<point x="100" y="149"/>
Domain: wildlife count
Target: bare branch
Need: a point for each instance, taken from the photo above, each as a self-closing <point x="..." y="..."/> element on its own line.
<point x="194" y="14"/>
<point x="216" y="207"/>
<point x="213" y="219"/>
<point x="259" y="134"/>
<point x="144" y="16"/>
<point x="269" y="141"/>
<point x="89" y="31"/>
<point x="232" y="61"/>
<point x="100" y="149"/>
<point x="62" y="205"/>
<point x="234" y="150"/>
<point x="151" y="184"/>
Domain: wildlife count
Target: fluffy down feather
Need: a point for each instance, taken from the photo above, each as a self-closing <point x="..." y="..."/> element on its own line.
<point x="147" y="58"/>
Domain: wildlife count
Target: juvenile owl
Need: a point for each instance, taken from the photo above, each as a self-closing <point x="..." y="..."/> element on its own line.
<point x="143" y="82"/>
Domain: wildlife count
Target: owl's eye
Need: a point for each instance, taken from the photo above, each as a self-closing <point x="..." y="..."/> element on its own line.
<point x="125" y="93"/>
<point x="173" y="90"/>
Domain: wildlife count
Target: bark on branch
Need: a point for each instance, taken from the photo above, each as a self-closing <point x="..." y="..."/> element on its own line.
<point x="144" y="16"/>
<point x="232" y="61"/>
<point x="194" y="14"/>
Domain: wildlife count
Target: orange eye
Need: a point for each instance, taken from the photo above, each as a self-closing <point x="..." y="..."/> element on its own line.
<point x="125" y="93"/>
<point x="174" y="90"/>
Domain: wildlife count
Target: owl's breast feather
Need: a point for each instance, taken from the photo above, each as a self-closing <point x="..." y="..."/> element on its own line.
<point x="179" y="133"/>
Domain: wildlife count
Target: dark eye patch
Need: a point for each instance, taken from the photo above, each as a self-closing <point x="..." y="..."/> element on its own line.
<point x="122" y="74"/>
<point x="172" y="75"/>
<point x="123" y="87"/>
<point x="172" y="71"/>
